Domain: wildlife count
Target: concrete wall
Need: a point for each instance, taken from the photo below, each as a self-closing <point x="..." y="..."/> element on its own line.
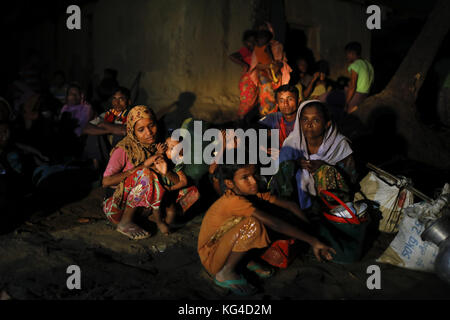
<point x="332" y="24"/>
<point x="180" y="46"/>
<point x="183" y="46"/>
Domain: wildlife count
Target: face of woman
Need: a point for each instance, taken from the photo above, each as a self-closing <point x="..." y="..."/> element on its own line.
<point x="313" y="123"/>
<point x="73" y="97"/>
<point x="145" y="131"/>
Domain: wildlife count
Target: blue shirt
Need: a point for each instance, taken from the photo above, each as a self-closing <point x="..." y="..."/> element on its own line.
<point x="273" y="121"/>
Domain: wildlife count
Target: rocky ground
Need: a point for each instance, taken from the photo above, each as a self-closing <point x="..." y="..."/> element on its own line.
<point x="35" y="258"/>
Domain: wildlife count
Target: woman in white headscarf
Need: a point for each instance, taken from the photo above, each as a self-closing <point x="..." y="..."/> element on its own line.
<point x="321" y="155"/>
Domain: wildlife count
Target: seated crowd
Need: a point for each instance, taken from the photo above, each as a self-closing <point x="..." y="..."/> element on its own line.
<point x="125" y="147"/>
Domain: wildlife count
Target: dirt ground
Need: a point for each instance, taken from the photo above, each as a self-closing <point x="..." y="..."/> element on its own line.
<point x="35" y="258"/>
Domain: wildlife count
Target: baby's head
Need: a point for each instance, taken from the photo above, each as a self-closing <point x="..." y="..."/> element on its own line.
<point x="171" y="144"/>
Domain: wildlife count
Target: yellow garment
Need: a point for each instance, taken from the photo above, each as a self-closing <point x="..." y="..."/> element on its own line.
<point x="228" y="226"/>
<point x="319" y="90"/>
<point x="300" y="91"/>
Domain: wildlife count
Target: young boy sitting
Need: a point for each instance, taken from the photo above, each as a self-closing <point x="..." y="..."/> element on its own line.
<point x="233" y="226"/>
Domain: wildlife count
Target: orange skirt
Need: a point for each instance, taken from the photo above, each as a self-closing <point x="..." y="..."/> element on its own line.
<point x="248" y="233"/>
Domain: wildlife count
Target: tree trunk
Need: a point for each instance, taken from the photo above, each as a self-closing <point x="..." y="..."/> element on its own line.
<point x="400" y="94"/>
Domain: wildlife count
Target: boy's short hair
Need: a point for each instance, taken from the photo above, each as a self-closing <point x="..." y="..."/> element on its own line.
<point x="227" y="171"/>
<point x="354" y="47"/>
<point x="249" y="34"/>
<point x="125" y="91"/>
<point x="287" y="88"/>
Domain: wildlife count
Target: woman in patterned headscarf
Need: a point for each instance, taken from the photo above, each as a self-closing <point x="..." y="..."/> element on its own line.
<point x="133" y="169"/>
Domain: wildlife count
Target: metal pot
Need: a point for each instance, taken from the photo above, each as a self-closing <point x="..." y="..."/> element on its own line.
<point x="437" y="232"/>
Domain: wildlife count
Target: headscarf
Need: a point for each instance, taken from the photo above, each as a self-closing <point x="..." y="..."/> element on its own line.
<point x="136" y="152"/>
<point x="334" y="148"/>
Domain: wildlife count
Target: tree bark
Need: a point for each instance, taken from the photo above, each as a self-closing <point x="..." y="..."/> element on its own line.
<point x="424" y="144"/>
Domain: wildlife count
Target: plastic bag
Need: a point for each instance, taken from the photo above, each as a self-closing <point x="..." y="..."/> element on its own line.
<point x="281" y="253"/>
<point x="389" y="196"/>
<point x="408" y="250"/>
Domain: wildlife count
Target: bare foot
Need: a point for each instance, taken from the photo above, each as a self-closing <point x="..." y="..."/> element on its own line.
<point x="164" y="228"/>
<point x="156" y="218"/>
<point x="171" y="213"/>
<point x="132" y="231"/>
<point x="262" y="271"/>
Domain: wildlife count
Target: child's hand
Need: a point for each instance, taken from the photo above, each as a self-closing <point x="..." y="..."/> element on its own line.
<point x="316" y="76"/>
<point x="160" y="166"/>
<point x="161" y="148"/>
<point x="212" y="167"/>
<point x="322" y="251"/>
<point x="150" y="161"/>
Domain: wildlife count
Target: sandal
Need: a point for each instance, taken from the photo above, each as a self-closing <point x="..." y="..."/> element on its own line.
<point x="131" y="229"/>
<point x="261" y="271"/>
<point x="229" y="284"/>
